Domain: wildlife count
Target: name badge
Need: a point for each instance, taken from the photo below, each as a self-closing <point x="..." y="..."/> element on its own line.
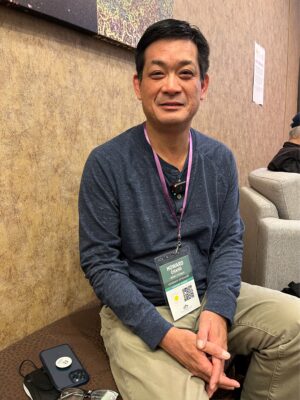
<point x="178" y="282"/>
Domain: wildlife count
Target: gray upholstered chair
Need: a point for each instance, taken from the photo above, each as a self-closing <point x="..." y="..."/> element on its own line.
<point x="270" y="209"/>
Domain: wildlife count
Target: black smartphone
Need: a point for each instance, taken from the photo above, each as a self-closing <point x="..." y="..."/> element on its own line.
<point x="63" y="367"/>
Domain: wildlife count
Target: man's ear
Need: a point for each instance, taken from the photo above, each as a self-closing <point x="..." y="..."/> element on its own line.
<point x="204" y="87"/>
<point x="136" y="86"/>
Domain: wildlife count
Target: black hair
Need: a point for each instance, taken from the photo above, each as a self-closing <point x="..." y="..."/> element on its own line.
<point x="172" y="29"/>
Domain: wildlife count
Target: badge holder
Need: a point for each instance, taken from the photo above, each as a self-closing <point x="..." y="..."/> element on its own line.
<point x="174" y="267"/>
<point x="177" y="279"/>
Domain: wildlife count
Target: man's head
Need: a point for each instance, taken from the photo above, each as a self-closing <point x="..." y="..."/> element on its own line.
<point x="294" y="133"/>
<point x="172" y="29"/>
<point x="296" y="120"/>
<point x="171" y="78"/>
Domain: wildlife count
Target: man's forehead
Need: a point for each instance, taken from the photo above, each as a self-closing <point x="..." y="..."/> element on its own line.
<point x="162" y="63"/>
<point x="181" y="51"/>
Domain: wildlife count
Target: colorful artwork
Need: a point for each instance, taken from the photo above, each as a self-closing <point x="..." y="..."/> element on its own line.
<point x="119" y="21"/>
<point x="125" y="20"/>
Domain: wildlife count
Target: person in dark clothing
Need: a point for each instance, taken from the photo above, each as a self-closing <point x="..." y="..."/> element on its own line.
<point x="288" y="157"/>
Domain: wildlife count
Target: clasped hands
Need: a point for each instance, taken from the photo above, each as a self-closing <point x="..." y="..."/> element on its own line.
<point x="204" y="353"/>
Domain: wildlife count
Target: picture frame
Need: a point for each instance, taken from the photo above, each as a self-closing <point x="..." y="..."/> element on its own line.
<point x="120" y="22"/>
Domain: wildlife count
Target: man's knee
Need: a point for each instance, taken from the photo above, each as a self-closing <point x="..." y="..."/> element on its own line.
<point x="264" y="318"/>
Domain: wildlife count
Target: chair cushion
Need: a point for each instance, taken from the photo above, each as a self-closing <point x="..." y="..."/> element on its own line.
<point x="281" y="188"/>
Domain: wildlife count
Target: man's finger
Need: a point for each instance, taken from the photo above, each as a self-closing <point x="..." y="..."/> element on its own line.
<point x="202" y="336"/>
<point x="213" y="349"/>
<point x="216" y="372"/>
<point x="228" y="383"/>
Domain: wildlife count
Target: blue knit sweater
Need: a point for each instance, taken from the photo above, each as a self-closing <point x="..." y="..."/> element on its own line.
<point x="125" y="223"/>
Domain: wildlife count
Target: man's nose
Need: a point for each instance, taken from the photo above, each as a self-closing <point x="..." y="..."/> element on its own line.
<point x="171" y="85"/>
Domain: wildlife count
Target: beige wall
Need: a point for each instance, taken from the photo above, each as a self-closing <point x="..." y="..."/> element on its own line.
<point x="62" y="93"/>
<point x="253" y="132"/>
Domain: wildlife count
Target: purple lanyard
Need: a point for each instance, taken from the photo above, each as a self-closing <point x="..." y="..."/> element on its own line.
<point x="165" y="189"/>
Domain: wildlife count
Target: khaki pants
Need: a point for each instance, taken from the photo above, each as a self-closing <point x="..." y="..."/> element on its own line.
<point x="266" y="323"/>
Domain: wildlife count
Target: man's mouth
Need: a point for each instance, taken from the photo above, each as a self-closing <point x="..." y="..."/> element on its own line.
<point x="171" y="104"/>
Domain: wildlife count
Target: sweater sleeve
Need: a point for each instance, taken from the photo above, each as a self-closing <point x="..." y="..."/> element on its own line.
<point x="101" y="256"/>
<point x="224" y="273"/>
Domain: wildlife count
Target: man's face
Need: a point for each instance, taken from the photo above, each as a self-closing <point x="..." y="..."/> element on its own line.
<point x="170" y="89"/>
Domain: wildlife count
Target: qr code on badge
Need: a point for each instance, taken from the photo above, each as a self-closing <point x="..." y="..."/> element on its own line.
<point x="188" y="293"/>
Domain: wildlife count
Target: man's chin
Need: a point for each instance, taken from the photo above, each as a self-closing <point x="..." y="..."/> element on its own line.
<point x="174" y="128"/>
<point x="174" y="123"/>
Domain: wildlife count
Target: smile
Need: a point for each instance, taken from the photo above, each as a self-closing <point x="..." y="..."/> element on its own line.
<point x="171" y="105"/>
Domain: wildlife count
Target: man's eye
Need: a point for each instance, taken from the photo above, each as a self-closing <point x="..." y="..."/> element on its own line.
<point x="156" y="74"/>
<point x="186" y="74"/>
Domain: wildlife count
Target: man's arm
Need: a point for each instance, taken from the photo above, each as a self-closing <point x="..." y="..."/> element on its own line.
<point x="224" y="272"/>
<point x="101" y="256"/>
<point x="220" y="300"/>
<point x="223" y="276"/>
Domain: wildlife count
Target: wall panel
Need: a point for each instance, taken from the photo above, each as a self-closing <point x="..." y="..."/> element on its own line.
<point x="62" y="93"/>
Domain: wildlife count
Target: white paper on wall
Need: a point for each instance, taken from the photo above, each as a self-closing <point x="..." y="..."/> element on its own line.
<point x="259" y="74"/>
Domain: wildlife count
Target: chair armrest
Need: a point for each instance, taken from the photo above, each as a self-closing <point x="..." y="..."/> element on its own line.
<point x="278" y="261"/>
<point x="281" y="188"/>
<point x="253" y="203"/>
<point x="253" y="207"/>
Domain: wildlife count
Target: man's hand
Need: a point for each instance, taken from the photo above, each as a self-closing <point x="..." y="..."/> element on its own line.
<point x="213" y="331"/>
<point x="181" y="344"/>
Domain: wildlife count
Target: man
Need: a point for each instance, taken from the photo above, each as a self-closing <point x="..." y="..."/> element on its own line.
<point x="159" y="220"/>
<point x="288" y="157"/>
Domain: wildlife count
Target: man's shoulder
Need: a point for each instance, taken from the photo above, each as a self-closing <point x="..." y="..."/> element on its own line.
<point x="120" y="143"/>
<point x="116" y="153"/>
<point x="211" y="148"/>
<point x="291" y="145"/>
